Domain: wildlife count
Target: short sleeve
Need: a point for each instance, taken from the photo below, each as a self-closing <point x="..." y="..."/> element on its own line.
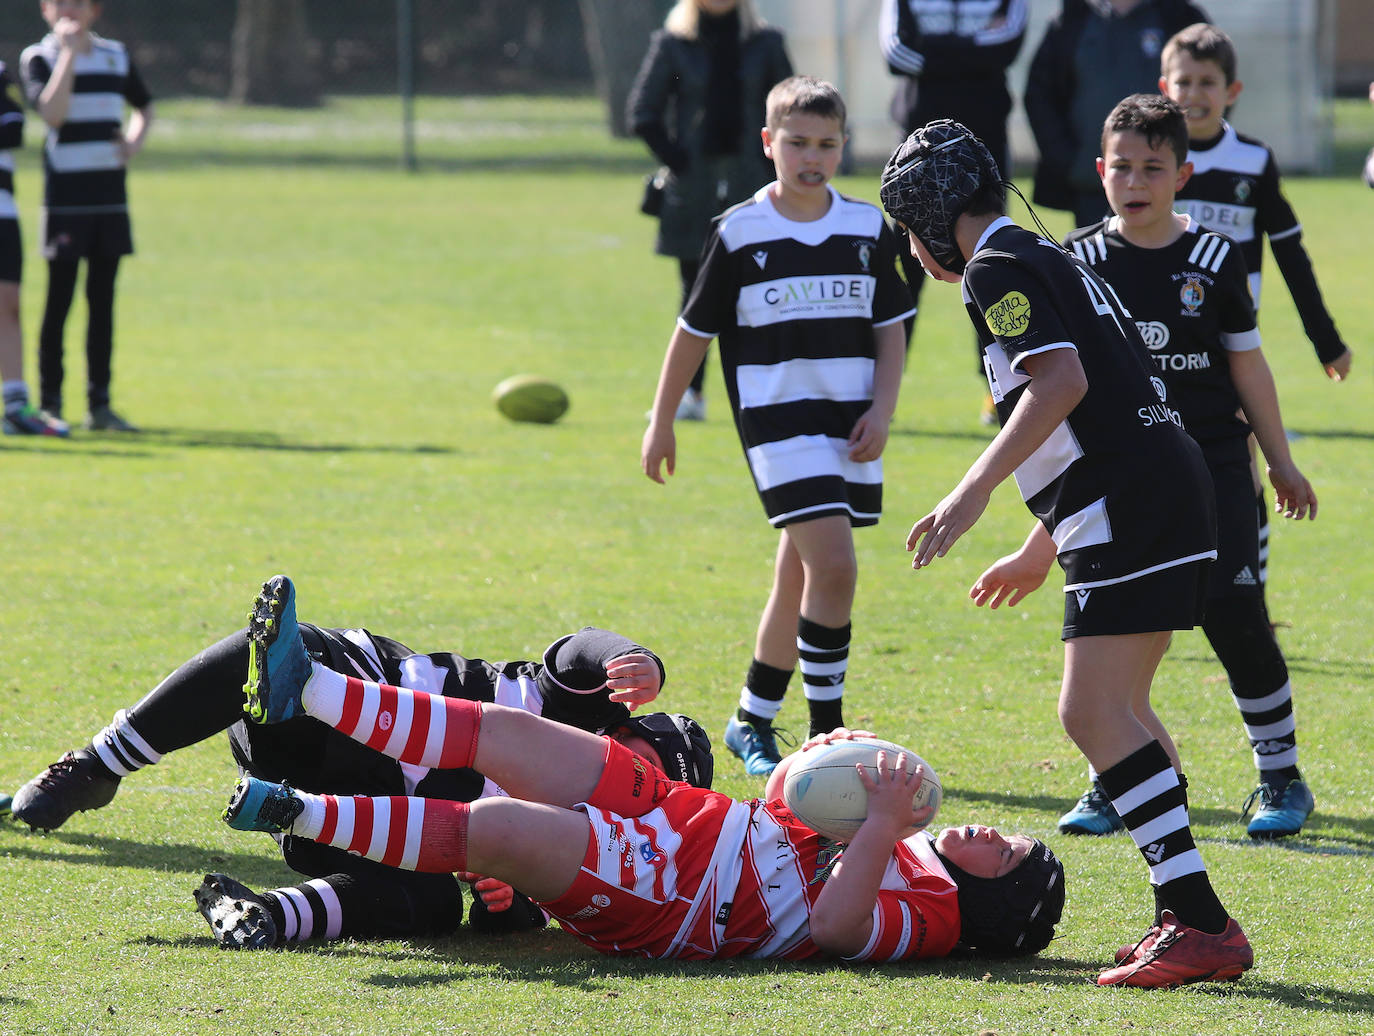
<point x="34" y="72"/>
<point x="1237" y="311"/>
<point x="891" y="297"/>
<point x="1015" y="307"/>
<point x="135" y="92"/>
<point x="710" y="307"/>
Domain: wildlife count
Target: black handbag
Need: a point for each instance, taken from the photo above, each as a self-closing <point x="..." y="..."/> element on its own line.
<point x="654" y="184"/>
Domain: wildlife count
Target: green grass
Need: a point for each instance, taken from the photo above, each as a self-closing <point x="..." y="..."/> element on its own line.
<point x="310" y="338"/>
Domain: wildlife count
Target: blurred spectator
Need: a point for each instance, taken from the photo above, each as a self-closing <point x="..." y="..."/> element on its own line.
<point x="953" y="56"/>
<point x="1094" y="53"/>
<point x="698" y="102"/>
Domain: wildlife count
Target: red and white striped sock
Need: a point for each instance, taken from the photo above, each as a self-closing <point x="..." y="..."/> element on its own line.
<point x="414" y="834"/>
<point x="410" y="726"/>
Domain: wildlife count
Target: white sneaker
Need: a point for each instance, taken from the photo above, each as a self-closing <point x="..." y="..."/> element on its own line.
<point x="692" y="407"/>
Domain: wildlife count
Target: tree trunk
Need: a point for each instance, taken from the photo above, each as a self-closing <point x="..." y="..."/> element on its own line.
<point x="271" y="59"/>
<point x="617" y="33"/>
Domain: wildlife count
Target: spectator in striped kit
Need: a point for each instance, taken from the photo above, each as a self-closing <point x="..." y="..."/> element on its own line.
<point x="79" y="83"/>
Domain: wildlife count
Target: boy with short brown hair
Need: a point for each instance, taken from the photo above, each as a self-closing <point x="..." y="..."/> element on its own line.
<point x="800" y="285"/>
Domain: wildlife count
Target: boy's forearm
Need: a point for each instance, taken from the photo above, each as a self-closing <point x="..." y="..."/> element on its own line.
<point x="842" y="919"/>
<point x="139" y="123"/>
<point x="890" y="345"/>
<point x="55" y="101"/>
<point x="685" y="353"/>
<point x="1259" y="398"/>
<point x="1057" y="385"/>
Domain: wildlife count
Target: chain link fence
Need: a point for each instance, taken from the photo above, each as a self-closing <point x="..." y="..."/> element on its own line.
<point x="185" y="47"/>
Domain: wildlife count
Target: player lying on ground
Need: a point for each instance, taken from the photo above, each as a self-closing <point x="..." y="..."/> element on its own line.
<point x="631" y="861"/>
<point x="589" y="679"/>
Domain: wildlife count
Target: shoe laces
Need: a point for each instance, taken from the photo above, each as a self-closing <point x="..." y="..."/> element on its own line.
<point x="280" y="808"/>
<point x="70" y="765"/>
<point x="1267" y="795"/>
<point x="766" y="741"/>
<point x="1095" y="799"/>
<point x="1166" y="937"/>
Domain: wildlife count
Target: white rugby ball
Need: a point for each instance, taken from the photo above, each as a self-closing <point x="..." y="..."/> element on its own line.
<point x="823" y="788"/>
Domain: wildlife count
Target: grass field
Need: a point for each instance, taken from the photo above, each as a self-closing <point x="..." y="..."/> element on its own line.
<point x="310" y="338"/>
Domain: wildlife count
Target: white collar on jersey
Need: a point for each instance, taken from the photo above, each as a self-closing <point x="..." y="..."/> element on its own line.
<point x="993" y="227"/>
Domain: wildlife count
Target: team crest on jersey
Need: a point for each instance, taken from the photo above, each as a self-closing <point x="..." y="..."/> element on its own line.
<point x="1191" y="294"/>
<point x="653" y="857"/>
<point x="1242" y="190"/>
<point x="761" y="258"/>
<point x="1009" y="316"/>
<point x="1156" y="334"/>
<point x="865" y="249"/>
<point x="1151" y="43"/>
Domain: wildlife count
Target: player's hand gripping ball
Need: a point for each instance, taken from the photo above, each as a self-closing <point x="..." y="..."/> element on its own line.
<point x="824" y="791"/>
<point x="530" y="398"/>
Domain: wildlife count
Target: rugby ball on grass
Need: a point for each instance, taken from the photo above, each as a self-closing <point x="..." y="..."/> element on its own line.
<point x="530" y="398"/>
<point x="823" y="789"/>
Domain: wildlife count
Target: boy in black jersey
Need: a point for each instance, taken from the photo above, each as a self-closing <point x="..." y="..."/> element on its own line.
<point x="1122" y="498"/>
<point x="79" y="83"/>
<point x="800" y="285"/>
<point x="1188" y="293"/>
<point x="589" y="679"/>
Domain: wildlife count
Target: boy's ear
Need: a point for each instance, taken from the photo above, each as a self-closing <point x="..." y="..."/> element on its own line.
<point x="767" y="142"/>
<point x="1101" y="167"/>
<point x="1185" y="173"/>
<point x="1233" y="92"/>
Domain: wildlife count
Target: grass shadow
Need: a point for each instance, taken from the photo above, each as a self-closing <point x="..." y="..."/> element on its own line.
<point x="224" y="439"/>
<point x="70" y="847"/>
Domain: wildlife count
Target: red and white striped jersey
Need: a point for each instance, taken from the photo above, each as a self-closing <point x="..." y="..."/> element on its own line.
<point x="706" y="876"/>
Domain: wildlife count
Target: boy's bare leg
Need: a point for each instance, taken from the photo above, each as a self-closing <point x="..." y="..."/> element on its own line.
<point x="825" y="547"/>
<point x="1105" y="679"/>
<point x="1106" y="682"/>
<point x="775" y="644"/>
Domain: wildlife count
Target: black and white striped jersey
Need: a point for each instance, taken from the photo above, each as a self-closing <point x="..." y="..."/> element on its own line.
<point x="84" y="171"/>
<point x="1235" y="190"/>
<point x="11" y="136"/>
<point x="794" y="306"/>
<point x="1191" y="303"/>
<point x="1119" y="485"/>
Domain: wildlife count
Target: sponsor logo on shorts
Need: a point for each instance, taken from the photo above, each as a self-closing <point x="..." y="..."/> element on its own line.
<point x="384" y="721"/>
<point x="601" y="900"/>
<point x="1245" y="577"/>
<point x="641" y="775"/>
<point x="1082" y="596"/>
<point x="584" y="913"/>
<point x="1009" y="316"/>
<point x="723" y="914"/>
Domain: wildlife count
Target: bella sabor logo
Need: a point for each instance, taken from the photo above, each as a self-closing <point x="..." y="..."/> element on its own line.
<point x="1009" y="316"/>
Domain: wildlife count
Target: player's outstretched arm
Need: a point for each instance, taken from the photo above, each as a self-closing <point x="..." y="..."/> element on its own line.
<point x="1010" y="579"/>
<point x="842" y="919"/>
<point x="1293" y="494"/>
<point x="659" y="447"/>
<point x="1057" y="384"/>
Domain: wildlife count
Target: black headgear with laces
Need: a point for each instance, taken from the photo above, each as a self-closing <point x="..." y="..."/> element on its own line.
<point x="930" y="180"/>
<point x="1015" y="914"/>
